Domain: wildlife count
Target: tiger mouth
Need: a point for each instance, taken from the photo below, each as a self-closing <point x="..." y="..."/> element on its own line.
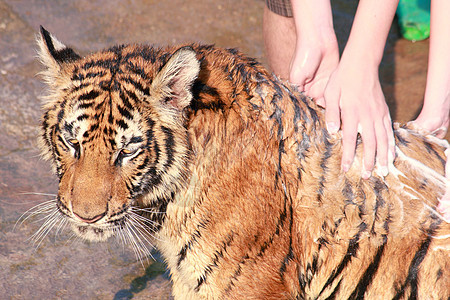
<point x="92" y="232"/>
<point x="99" y="230"/>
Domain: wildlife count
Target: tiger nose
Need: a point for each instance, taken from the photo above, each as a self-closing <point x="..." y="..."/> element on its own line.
<point x="91" y="220"/>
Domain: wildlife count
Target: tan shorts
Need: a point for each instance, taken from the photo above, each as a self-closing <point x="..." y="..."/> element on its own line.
<point x="280" y="7"/>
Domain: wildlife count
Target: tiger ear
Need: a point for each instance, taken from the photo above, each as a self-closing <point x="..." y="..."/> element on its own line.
<point x="172" y="85"/>
<point x="53" y="55"/>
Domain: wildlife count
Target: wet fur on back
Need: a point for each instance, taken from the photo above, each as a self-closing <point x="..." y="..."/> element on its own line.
<point x="236" y="176"/>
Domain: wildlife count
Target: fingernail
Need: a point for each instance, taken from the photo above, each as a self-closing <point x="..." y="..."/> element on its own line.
<point x="445" y="215"/>
<point x="391" y="157"/>
<point x="366" y="174"/>
<point x="384" y="171"/>
<point x="447" y="218"/>
<point x="345" y="167"/>
<point x="332" y="127"/>
<point x="441" y="206"/>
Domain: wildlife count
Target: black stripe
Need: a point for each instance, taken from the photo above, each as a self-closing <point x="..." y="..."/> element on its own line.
<point x="297" y="112"/>
<point x="104" y="63"/>
<point x="125" y="112"/>
<point x="80" y="77"/>
<point x="411" y="279"/>
<point x="335" y="291"/>
<point x="144" y="164"/>
<point x="85" y="104"/>
<point x="133" y="68"/>
<point x="347" y="192"/>
<point x="328" y="150"/>
<point x="147" y="53"/>
<point x="68" y="127"/>
<point x="122" y="124"/>
<point x="151" y="178"/>
<point x="352" y="248"/>
<point x="137" y="85"/>
<point x="194" y="238"/>
<point x="218" y="254"/>
<point x="60" y="115"/>
<point x="89" y="96"/>
<point x="131" y="95"/>
<point x="366" y="280"/>
<point x="135" y="140"/>
<point x="93" y="127"/>
<point x="378" y="189"/>
<point x="169" y="144"/>
<point x="199" y="88"/>
<point x="430" y="149"/>
<point x="63" y="143"/>
<point x="290" y="255"/>
<point x="303" y="146"/>
<point x="400" y="139"/>
<point x="82" y="117"/>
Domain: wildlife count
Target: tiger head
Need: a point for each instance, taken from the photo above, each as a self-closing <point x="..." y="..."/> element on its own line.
<point x="114" y="130"/>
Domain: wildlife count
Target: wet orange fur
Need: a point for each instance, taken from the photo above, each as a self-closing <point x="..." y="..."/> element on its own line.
<point x="261" y="209"/>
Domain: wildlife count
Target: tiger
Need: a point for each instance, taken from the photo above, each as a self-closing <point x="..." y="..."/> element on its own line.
<point x="231" y="174"/>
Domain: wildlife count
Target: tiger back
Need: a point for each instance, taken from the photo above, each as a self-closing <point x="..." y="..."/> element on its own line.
<point x="233" y="176"/>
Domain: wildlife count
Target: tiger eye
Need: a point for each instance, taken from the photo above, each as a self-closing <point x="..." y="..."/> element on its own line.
<point x="126" y="151"/>
<point x="73" y="142"/>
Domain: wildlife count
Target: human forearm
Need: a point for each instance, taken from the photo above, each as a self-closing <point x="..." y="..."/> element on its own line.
<point x="353" y="93"/>
<point x="313" y="20"/>
<point x="369" y="32"/>
<point x="438" y="77"/>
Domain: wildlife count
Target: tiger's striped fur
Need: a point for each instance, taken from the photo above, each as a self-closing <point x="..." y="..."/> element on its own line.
<point x="237" y="178"/>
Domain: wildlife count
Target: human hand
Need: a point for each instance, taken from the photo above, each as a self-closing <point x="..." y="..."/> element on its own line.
<point x="354" y="95"/>
<point x="312" y="66"/>
<point x="434" y="117"/>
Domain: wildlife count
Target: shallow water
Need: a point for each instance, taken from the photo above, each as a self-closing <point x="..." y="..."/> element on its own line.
<point x="63" y="267"/>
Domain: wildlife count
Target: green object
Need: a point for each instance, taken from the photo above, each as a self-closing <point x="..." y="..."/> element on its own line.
<point x="414" y="19"/>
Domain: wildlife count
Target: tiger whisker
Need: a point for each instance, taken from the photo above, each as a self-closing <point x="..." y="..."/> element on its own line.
<point x="142" y="227"/>
<point x="45" y="229"/>
<point x="137" y="249"/>
<point x="143" y="220"/>
<point x="138" y="240"/>
<point x="41" y="208"/>
<point x="126" y="239"/>
<point x="149" y="210"/>
<point x="62" y="225"/>
<point x="38" y="194"/>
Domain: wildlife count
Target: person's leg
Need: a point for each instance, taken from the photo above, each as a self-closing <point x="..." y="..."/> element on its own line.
<point x="279" y="41"/>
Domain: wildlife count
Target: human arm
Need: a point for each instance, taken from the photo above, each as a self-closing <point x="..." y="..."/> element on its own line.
<point x="434" y="117"/>
<point x="354" y="93"/>
<point x="316" y="53"/>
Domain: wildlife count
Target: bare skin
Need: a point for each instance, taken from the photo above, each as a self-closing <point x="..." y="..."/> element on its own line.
<point x="304" y="50"/>
<point x="279" y="42"/>
<point x="353" y="93"/>
<point x="434" y="117"/>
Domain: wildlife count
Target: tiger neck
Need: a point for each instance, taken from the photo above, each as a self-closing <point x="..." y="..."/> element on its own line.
<point x="239" y="131"/>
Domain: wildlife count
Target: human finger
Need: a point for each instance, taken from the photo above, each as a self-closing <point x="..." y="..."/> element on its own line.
<point x="332" y="111"/>
<point x="349" y="135"/>
<point x="391" y="139"/>
<point x="369" y="138"/>
<point x="320" y="101"/>
<point x="382" y="147"/>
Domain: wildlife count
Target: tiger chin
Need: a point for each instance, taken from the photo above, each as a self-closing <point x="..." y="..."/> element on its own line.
<point x="233" y="176"/>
